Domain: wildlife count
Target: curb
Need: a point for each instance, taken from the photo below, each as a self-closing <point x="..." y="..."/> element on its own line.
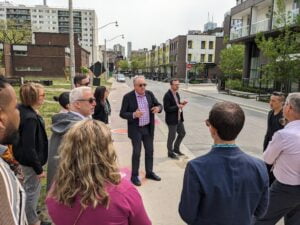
<point x="220" y="99"/>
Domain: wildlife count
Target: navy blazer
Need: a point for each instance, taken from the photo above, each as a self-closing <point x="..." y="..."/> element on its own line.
<point x="224" y="187"/>
<point x="130" y="105"/>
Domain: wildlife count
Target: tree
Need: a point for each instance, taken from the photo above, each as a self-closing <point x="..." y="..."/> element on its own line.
<point x="232" y="60"/>
<point x="198" y="68"/>
<point x="84" y="70"/>
<point x="12" y="32"/>
<point x="138" y="62"/>
<point x="282" y="51"/>
<point x="123" y="65"/>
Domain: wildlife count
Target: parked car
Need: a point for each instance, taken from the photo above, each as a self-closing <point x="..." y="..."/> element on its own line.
<point x="121" y="77"/>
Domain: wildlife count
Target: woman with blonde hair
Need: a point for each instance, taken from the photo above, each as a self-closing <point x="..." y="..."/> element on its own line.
<point x="88" y="187"/>
<point x="32" y="149"/>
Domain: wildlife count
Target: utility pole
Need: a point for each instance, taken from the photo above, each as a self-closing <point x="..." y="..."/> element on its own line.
<point x="72" y="50"/>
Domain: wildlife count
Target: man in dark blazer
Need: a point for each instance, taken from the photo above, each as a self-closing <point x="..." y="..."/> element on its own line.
<point x="174" y="118"/>
<point x="225" y="186"/>
<point x="138" y="108"/>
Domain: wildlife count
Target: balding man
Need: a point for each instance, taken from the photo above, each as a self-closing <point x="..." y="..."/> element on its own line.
<point x="138" y="108"/>
<point x="284" y="153"/>
<point x="82" y="105"/>
<point x="12" y="195"/>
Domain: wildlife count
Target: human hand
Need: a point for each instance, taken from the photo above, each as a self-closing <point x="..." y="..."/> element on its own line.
<point x="155" y="109"/>
<point x="138" y="114"/>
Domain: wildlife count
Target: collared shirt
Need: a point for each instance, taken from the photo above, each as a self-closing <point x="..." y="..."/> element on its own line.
<point x="143" y="107"/>
<point x="12" y="206"/>
<point x="81" y="116"/>
<point x="284" y="152"/>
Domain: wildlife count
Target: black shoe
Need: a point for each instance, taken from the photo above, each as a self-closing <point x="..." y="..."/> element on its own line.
<point x="136" y="181"/>
<point x="172" y="155"/>
<point x="178" y="152"/>
<point x="153" y="176"/>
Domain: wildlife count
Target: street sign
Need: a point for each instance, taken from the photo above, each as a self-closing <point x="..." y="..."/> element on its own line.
<point x="189" y="66"/>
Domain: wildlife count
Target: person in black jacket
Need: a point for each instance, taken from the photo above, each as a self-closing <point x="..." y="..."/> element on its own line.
<point x="275" y="123"/>
<point x="102" y="109"/>
<point x="138" y="108"/>
<point x="174" y="119"/>
<point x="32" y="149"/>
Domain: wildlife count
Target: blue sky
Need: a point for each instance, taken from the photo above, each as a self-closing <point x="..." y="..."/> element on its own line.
<point x="147" y="22"/>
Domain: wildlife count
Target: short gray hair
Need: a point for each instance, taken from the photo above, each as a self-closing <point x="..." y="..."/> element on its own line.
<point x="77" y="93"/>
<point x="294" y="100"/>
<point x="138" y="77"/>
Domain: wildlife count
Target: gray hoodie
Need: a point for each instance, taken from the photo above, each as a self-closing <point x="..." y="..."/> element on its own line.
<point x="61" y="123"/>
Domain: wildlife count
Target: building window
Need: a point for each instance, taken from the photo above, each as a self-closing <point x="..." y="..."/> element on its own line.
<point x="20" y="53"/>
<point x="190" y="44"/>
<point x="189" y="57"/>
<point x="34" y="16"/>
<point x="202" y="44"/>
<point x="210" y="58"/>
<point x="202" y="59"/>
<point x="211" y="45"/>
<point x="40" y="10"/>
<point x="28" y="69"/>
<point x="40" y="16"/>
<point x="41" y="22"/>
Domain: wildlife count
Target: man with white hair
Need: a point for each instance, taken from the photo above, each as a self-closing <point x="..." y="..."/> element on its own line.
<point x="82" y="104"/>
<point x="284" y="153"/>
<point x="138" y="108"/>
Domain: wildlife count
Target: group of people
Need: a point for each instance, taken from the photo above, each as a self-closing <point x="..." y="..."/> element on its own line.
<point x="85" y="186"/>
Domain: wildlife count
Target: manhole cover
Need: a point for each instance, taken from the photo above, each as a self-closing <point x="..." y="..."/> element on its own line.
<point x="119" y="131"/>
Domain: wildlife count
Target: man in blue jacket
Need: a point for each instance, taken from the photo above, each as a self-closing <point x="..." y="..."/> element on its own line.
<point x="225" y="186"/>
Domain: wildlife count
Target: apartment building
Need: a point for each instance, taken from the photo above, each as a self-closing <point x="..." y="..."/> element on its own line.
<point x="43" y="18"/>
<point x="246" y="20"/>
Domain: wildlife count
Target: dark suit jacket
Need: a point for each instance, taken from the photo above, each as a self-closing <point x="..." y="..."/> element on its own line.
<point x="171" y="108"/>
<point x="32" y="148"/>
<point x="130" y="105"/>
<point x="224" y="187"/>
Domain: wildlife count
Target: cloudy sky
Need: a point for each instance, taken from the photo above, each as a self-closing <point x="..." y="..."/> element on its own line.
<point x="147" y="22"/>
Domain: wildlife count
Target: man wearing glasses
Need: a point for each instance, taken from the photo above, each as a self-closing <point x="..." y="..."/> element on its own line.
<point x="174" y="119"/>
<point x="284" y="152"/>
<point x="82" y="105"/>
<point x="225" y="186"/>
<point x="275" y="123"/>
<point x="138" y="108"/>
<point x="81" y="80"/>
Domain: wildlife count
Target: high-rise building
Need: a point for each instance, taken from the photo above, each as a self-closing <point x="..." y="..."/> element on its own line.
<point x="119" y="48"/>
<point x="129" y="49"/>
<point x="43" y="18"/>
<point x="210" y="26"/>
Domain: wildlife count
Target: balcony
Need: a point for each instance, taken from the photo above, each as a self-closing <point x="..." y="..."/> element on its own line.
<point x="288" y="18"/>
<point x="260" y="26"/>
<point x="239" y="32"/>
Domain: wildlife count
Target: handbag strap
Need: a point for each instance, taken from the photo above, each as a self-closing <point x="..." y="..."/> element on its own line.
<point x="79" y="215"/>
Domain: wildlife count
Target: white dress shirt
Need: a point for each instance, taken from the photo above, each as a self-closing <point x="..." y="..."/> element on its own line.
<point x="284" y="152"/>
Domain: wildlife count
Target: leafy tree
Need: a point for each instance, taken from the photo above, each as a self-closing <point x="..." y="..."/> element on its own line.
<point x="138" y="62"/>
<point x="281" y="51"/>
<point x="12" y="32"/>
<point x="198" y="68"/>
<point x="232" y="59"/>
<point x="84" y="70"/>
<point x="123" y="65"/>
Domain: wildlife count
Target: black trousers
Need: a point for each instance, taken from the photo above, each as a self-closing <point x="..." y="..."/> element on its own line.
<point x="284" y="202"/>
<point x="145" y="137"/>
<point x="173" y="129"/>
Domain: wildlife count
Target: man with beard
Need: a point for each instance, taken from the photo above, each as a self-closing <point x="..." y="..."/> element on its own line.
<point x="12" y="195"/>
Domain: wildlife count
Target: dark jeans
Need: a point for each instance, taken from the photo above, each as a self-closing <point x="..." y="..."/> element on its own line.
<point x="145" y="137"/>
<point x="173" y="129"/>
<point x="284" y="202"/>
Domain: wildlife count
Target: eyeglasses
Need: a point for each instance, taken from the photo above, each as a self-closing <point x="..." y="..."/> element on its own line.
<point x="207" y="123"/>
<point x="142" y="85"/>
<point x="90" y="100"/>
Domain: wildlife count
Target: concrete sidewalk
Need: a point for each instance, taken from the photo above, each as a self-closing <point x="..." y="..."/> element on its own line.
<point x="161" y="199"/>
<point x="210" y="91"/>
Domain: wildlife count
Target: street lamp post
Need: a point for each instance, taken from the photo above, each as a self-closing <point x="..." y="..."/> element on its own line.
<point x="71" y="37"/>
<point x="106" y="63"/>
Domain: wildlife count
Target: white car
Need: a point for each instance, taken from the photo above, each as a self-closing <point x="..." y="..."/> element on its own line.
<point x="121" y="77"/>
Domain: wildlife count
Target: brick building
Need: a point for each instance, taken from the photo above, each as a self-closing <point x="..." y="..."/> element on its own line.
<point x="47" y="56"/>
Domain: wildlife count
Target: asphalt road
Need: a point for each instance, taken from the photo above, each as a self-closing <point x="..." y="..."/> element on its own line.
<point x="196" y="112"/>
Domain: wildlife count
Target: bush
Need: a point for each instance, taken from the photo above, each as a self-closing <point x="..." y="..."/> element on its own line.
<point x="233" y="84"/>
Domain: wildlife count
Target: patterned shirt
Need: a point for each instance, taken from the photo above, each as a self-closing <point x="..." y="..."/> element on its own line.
<point x="143" y="107"/>
<point x="12" y="196"/>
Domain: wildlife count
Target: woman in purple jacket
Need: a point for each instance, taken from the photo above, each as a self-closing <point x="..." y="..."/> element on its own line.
<point x="88" y="188"/>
